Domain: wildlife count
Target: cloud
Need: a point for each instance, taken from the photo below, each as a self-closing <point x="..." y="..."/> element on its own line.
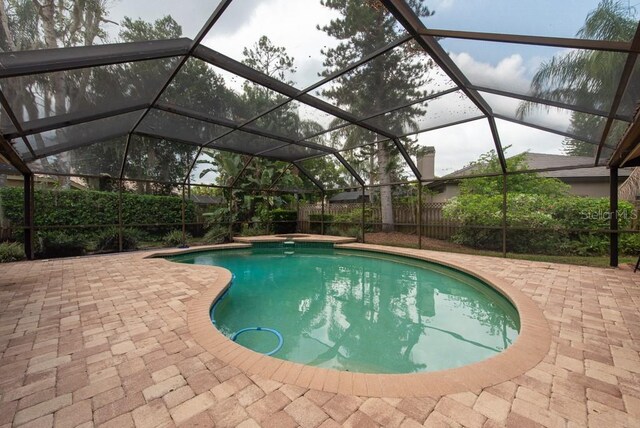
<point x="441" y="5"/>
<point x="510" y="73"/>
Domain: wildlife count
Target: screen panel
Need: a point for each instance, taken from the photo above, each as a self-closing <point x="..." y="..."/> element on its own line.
<point x="102" y="158"/>
<point x="88" y="90"/>
<point x="539" y="18"/>
<point x="575" y="77"/>
<point x="217" y="93"/>
<point x="440" y="111"/>
<point x="245" y="142"/>
<point x="74" y="136"/>
<point x="398" y="77"/>
<point x="330" y="172"/>
<point x="158" y="159"/>
<point x="292" y="152"/>
<point x="448" y="151"/>
<point x="242" y="32"/>
<point x="217" y="167"/>
<point x="297" y="121"/>
<point x="565" y="151"/>
<point x="346" y="137"/>
<point x="580" y="125"/>
<point x="180" y="128"/>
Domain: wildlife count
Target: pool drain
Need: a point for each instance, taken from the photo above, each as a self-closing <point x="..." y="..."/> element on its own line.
<point x="270" y="330"/>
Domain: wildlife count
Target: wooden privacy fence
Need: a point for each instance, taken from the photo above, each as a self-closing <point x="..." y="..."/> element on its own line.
<point x="434" y="225"/>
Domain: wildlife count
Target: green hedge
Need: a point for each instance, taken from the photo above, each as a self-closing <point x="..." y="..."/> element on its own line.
<point x="284" y="221"/>
<point x="84" y="207"/>
<point x="77" y="207"/>
<point x="555" y="219"/>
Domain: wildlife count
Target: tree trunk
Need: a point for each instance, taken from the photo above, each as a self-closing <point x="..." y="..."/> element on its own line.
<point x="4" y="22"/>
<point x="386" y="204"/>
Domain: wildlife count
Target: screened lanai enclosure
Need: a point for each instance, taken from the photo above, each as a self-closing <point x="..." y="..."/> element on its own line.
<point x="493" y="127"/>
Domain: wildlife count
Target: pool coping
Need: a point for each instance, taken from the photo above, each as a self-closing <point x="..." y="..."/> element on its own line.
<point x="527" y="351"/>
<point x="297" y="238"/>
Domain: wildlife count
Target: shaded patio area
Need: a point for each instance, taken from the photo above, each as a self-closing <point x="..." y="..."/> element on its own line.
<point x="103" y="341"/>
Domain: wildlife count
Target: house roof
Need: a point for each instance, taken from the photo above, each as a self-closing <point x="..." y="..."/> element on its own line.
<point x="538" y="161"/>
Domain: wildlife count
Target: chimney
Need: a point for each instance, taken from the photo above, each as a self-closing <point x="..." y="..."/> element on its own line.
<point x="426" y="163"/>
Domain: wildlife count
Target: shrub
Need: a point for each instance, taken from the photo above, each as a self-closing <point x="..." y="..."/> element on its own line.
<point x="630" y="244"/>
<point x="109" y="240"/>
<point x="60" y="244"/>
<point x="352" y="232"/>
<point x="175" y="239"/>
<point x="537" y="223"/>
<point x="284" y="221"/>
<point x="316" y="222"/>
<point x="253" y="231"/>
<point x="11" y="252"/>
<point x="217" y="235"/>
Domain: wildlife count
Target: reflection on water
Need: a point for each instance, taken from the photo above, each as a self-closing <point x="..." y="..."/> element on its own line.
<point x="361" y="311"/>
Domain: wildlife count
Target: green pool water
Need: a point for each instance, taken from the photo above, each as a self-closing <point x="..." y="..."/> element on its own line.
<point x="359" y="311"/>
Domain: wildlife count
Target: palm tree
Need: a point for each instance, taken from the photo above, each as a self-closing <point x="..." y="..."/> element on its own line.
<point x="586" y="77"/>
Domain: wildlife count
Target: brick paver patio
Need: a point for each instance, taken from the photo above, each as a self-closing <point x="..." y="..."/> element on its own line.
<point x="104" y="341"/>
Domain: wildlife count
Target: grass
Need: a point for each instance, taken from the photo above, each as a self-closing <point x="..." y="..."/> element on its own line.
<point x="594" y="261"/>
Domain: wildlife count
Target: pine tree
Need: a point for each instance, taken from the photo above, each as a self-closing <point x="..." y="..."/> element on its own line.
<point x="389" y="81"/>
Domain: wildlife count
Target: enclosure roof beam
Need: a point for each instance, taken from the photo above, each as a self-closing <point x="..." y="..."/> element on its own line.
<point x="182" y="111"/>
<point x="309" y="176"/>
<point x="349" y="168"/>
<point x="629" y="147"/>
<point x="445" y="125"/>
<point x="60" y="148"/>
<point x="217" y="13"/>
<point x="9" y="153"/>
<point x="277" y="179"/>
<point x="246" y="72"/>
<point x="389" y="110"/>
<point x="407" y="158"/>
<point x="21" y="63"/>
<point x="15" y="122"/>
<point x="627" y="71"/>
<point x="561" y="42"/>
<point x="332" y="76"/>
<point x="412" y="23"/>
<point x="208" y="55"/>
<point x="237" y="177"/>
<point x="76" y="118"/>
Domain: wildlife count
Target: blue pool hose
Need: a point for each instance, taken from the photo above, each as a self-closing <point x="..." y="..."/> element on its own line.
<point x="239" y="332"/>
<point x="270" y="330"/>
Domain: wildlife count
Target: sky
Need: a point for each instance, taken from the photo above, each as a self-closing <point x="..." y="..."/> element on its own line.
<point x="292" y="24"/>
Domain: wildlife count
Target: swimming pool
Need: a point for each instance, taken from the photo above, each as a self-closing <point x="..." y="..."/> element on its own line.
<point x="359" y="311"/>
